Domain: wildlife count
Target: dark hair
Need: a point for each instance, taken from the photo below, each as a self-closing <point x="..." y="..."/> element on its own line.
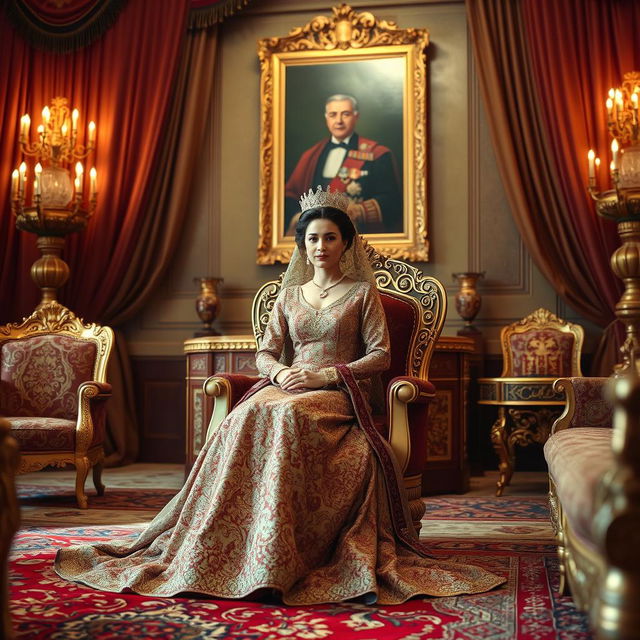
<point x="338" y="217"/>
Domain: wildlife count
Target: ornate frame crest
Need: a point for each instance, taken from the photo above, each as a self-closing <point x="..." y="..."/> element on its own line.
<point x="345" y="36"/>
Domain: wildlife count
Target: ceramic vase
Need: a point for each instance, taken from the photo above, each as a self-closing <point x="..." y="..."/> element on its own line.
<point x="208" y="304"/>
<point x="467" y="299"/>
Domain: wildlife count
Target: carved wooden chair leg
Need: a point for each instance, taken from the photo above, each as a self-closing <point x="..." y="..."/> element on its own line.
<point x="82" y="471"/>
<point x="499" y="439"/>
<point x="417" y="507"/>
<point x="97" y="478"/>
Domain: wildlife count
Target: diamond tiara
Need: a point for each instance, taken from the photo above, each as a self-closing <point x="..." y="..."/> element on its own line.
<point x="321" y="198"/>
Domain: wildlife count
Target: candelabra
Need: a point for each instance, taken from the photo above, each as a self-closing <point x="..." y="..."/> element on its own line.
<point x="53" y="205"/>
<point x="622" y="204"/>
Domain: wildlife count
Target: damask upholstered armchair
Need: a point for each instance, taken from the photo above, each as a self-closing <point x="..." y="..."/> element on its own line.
<point x="53" y="390"/>
<point x="415" y="306"/>
<point x="536" y="351"/>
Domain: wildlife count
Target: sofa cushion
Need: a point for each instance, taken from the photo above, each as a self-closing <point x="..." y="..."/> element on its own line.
<point x="577" y="459"/>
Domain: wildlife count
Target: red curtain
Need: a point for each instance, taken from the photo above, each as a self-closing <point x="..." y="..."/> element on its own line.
<point x="573" y="69"/>
<point x="123" y="82"/>
<point x="545" y="68"/>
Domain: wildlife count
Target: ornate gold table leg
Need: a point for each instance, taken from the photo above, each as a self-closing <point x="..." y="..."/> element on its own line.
<point x="500" y="442"/>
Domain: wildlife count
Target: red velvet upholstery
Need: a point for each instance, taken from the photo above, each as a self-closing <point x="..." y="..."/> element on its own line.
<point x="401" y="320"/>
<point x="40" y="375"/>
<point x="541" y="352"/>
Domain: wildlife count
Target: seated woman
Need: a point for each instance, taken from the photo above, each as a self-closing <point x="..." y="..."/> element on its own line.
<point x="289" y="494"/>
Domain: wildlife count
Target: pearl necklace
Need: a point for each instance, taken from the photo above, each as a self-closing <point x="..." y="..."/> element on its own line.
<point x="324" y="291"/>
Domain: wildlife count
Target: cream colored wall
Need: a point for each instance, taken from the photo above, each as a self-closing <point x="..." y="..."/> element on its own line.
<point x="470" y="223"/>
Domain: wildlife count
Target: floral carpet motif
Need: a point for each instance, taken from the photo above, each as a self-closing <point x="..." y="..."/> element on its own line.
<point x="509" y="535"/>
<point x="527" y="607"/>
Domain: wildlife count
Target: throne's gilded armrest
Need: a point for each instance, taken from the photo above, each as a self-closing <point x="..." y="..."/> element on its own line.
<point x="408" y="403"/>
<point x="587" y="403"/>
<point x="226" y="389"/>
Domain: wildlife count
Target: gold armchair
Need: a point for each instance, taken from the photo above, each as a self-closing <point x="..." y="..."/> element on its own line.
<point x="415" y="306"/>
<point x="536" y="351"/>
<point x="53" y="389"/>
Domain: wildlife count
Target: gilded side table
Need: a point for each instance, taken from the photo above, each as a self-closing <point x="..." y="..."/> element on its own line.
<point x="527" y="408"/>
<point x="446" y="464"/>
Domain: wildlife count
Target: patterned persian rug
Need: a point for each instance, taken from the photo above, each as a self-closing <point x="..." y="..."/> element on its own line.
<point x="508" y="535"/>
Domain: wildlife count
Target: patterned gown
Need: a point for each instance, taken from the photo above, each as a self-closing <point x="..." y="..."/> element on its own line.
<point x="287" y="494"/>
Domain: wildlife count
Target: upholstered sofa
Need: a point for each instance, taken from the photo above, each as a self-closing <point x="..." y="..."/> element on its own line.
<point x="593" y="455"/>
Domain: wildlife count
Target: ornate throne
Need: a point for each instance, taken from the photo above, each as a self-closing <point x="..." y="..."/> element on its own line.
<point x="53" y="388"/>
<point x="415" y="306"/>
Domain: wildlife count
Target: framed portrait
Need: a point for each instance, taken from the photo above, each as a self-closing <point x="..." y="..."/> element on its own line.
<point x="344" y="106"/>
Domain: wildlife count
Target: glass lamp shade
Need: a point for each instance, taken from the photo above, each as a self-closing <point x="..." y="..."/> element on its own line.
<point x="630" y="167"/>
<point x="57" y="189"/>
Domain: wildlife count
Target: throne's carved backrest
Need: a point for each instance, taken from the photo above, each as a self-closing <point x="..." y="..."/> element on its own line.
<point x="415" y="306"/>
<point x="541" y="345"/>
<point x="46" y="357"/>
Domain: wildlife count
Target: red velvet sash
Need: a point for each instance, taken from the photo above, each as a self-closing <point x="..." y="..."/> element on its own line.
<point x="398" y="507"/>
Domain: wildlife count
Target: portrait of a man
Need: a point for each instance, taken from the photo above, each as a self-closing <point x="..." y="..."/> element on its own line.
<point x="361" y="167"/>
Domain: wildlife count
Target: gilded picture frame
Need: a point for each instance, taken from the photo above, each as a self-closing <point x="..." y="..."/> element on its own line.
<point x="387" y="67"/>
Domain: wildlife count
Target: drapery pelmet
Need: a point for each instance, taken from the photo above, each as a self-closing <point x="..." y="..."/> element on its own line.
<point x="544" y="69"/>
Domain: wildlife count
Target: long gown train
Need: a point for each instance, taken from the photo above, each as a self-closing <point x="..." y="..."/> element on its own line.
<point x="286" y="495"/>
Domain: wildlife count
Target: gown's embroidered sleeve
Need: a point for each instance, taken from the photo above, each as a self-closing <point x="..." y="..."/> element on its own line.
<point x="268" y="355"/>
<point x="375" y="337"/>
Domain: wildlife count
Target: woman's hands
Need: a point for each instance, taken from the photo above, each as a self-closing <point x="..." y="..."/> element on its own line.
<point x="294" y="379"/>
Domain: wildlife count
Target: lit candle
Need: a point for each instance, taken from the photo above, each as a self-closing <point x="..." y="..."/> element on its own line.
<point x="38" y="169"/>
<point x="92" y="133"/>
<point x="592" y="163"/>
<point x="609" y="107"/>
<point x="22" y="169"/>
<point x="25" y="123"/>
<point x="614" y="151"/>
<point x="41" y="131"/>
<point x="93" y="175"/>
<point x="619" y="103"/>
<point x="15" y="176"/>
<point x="79" y="172"/>
<point x="634" y="100"/>
<point x="63" y="130"/>
<point x="612" y="167"/>
<point x="74" y="120"/>
<point x="46" y="114"/>
<point x="597" y="165"/>
<point x="612" y="93"/>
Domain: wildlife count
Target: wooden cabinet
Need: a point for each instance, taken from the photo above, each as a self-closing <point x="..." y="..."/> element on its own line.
<point x="446" y="464"/>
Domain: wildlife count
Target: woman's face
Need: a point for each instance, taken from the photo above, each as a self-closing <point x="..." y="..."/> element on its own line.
<point x="324" y="244"/>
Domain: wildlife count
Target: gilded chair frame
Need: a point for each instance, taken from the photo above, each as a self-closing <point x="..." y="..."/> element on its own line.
<point x="541" y="319"/>
<point x="53" y="318"/>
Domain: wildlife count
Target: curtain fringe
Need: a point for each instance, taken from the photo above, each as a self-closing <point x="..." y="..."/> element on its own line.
<point x="205" y="17"/>
<point x="57" y="42"/>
